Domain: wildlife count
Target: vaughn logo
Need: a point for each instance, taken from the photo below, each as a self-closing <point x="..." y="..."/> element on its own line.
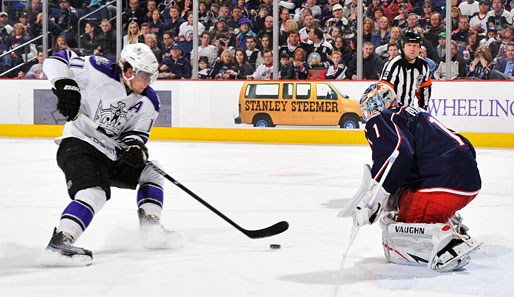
<point x="409" y="229"/>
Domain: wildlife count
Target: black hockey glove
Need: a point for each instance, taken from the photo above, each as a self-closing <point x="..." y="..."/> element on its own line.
<point x="135" y="155"/>
<point x="68" y="95"/>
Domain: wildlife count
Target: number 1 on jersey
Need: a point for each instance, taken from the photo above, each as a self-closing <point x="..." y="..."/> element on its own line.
<point x="446" y="130"/>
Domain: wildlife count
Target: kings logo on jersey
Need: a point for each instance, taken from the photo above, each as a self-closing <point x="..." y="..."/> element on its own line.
<point x="112" y="119"/>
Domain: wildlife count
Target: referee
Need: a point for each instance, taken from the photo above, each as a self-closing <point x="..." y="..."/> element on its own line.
<point x="408" y="74"/>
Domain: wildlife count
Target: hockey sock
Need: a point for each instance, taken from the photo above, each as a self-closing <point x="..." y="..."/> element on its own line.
<point x="150" y="198"/>
<point x="80" y="212"/>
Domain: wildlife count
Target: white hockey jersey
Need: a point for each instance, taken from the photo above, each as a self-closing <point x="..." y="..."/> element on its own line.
<point x="104" y="100"/>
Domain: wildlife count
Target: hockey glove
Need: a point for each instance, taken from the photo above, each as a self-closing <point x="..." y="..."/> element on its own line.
<point x="135" y="155"/>
<point x="68" y="95"/>
<point x="363" y="213"/>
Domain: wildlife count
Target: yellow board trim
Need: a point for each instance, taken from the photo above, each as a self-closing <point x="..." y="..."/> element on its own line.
<point x="264" y="135"/>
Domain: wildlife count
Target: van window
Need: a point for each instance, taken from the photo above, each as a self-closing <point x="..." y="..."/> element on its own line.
<point x="262" y="91"/>
<point x="287" y="91"/>
<point x="303" y="91"/>
<point x="325" y="92"/>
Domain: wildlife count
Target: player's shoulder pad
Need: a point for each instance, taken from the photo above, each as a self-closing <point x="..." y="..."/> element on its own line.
<point x="150" y="93"/>
<point x="105" y="66"/>
<point x="63" y="56"/>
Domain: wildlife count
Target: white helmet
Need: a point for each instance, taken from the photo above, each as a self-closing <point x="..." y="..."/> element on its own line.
<point x="143" y="62"/>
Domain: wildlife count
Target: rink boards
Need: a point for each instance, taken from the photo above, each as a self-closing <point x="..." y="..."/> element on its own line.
<point x="207" y="111"/>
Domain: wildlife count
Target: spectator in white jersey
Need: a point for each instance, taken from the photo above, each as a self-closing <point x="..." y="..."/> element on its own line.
<point x="398" y="72"/>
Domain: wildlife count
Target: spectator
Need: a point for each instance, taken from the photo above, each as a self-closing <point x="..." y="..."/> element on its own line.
<point x="499" y="17"/>
<point x="284" y="16"/>
<point x="300" y="64"/>
<point x="312" y="6"/>
<point x="331" y="35"/>
<point x="441" y="47"/>
<point x="175" y="67"/>
<point x="145" y="30"/>
<point x="34" y="10"/>
<point x="5" y="31"/>
<point x="205" y="16"/>
<point x="327" y="10"/>
<point x="24" y="19"/>
<point x="375" y="4"/>
<point x="36" y="70"/>
<point x="68" y="22"/>
<point x="206" y="49"/>
<point x="244" y="32"/>
<point x="265" y="42"/>
<point x="235" y="21"/>
<point x="436" y="27"/>
<point x="383" y="35"/>
<point x="469" y="7"/>
<point x="286" y="68"/>
<point x="289" y="26"/>
<point x="293" y="42"/>
<point x="393" y="50"/>
<point x="132" y="35"/>
<point x="400" y="20"/>
<point x="337" y="19"/>
<point x="186" y="29"/>
<point x="265" y="70"/>
<point x="431" y="63"/>
<point x="308" y="23"/>
<point x="224" y="12"/>
<point x="252" y="53"/>
<point x="431" y="53"/>
<point x="157" y="26"/>
<point x="221" y="27"/>
<point x="151" y="5"/>
<point x="268" y="27"/>
<point x="376" y="16"/>
<point x="203" y="68"/>
<point x="498" y="48"/>
<point x="424" y="22"/>
<point x="457" y="66"/>
<point x="174" y="22"/>
<point x="492" y="36"/>
<point x="396" y="36"/>
<point x="90" y="40"/>
<point x="260" y="19"/>
<point x="455" y="16"/>
<point x="341" y="46"/>
<point x="461" y="34"/>
<point x="60" y="44"/>
<point x="337" y="69"/>
<point x="412" y="22"/>
<point x="241" y="68"/>
<point x="479" y="68"/>
<point x="505" y="64"/>
<point x="371" y="64"/>
<point x="18" y="37"/>
<point x="394" y="9"/>
<point x="107" y="38"/>
<point x="222" y="65"/>
<point x="478" y="22"/>
<point x="319" y="51"/>
<point x="468" y="53"/>
<point x="133" y="14"/>
<point x="164" y="7"/>
<point x="167" y="44"/>
<point x="151" y="41"/>
<point x="368" y="29"/>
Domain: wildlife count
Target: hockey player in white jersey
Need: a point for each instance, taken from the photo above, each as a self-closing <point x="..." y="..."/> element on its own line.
<point x="117" y="97"/>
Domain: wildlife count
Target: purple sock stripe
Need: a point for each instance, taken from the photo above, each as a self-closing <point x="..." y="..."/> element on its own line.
<point x="79" y="211"/>
<point x="148" y="191"/>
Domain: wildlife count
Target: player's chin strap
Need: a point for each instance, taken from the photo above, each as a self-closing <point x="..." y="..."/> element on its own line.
<point x="123" y="74"/>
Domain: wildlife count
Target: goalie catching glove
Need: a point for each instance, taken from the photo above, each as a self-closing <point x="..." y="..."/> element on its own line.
<point x="364" y="213"/>
<point x="135" y="154"/>
<point x="68" y="98"/>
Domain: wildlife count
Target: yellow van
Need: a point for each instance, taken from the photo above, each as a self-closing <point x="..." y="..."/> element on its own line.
<point x="302" y="103"/>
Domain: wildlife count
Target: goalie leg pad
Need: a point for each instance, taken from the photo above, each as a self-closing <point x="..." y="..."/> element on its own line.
<point x="407" y="243"/>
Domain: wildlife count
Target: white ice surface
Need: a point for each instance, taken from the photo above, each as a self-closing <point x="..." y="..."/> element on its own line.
<point x="256" y="185"/>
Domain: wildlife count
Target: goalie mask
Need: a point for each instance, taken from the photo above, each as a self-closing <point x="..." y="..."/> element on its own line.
<point x="142" y="60"/>
<point x="377" y="97"/>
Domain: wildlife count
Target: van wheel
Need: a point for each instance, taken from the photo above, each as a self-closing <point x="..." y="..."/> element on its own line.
<point x="349" y="121"/>
<point x="262" y="121"/>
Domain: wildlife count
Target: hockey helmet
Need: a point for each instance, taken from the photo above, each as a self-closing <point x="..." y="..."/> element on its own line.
<point x="376" y="98"/>
<point x="143" y="62"/>
<point x="411" y="36"/>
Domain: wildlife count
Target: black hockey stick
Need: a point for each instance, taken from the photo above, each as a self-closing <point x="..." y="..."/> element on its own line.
<point x="254" y="234"/>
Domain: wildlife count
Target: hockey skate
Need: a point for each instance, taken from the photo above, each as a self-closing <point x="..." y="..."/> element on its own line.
<point x="154" y="235"/>
<point x="455" y="255"/>
<point x="62" y="244"/>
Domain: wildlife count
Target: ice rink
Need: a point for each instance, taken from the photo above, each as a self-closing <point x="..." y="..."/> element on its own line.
<point x="256" y="185"/>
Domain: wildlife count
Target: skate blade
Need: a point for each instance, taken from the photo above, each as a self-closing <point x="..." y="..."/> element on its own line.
<point x="460" y="261"/>
<point x="55" y="259"/>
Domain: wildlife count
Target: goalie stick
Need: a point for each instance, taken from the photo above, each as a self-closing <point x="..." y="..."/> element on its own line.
<point x="254" y="234"/>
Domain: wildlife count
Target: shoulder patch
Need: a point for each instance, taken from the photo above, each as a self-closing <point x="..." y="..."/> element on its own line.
<point x="105" y="66"/>
<point x="154" y="98"/>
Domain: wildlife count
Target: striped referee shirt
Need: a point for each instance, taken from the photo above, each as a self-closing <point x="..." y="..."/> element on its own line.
<point x="411" y="82"/>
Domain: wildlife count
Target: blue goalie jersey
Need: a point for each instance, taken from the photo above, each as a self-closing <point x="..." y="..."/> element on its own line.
<point x="432" y="158"/>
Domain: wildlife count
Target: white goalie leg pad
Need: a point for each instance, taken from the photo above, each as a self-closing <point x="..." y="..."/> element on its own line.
<point x="407" y="243"/>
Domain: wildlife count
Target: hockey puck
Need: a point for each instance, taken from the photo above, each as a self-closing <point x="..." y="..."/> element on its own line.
<point x="274" y="246"/>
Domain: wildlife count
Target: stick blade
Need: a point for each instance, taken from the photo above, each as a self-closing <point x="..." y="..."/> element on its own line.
<point x="269" y="231"/>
